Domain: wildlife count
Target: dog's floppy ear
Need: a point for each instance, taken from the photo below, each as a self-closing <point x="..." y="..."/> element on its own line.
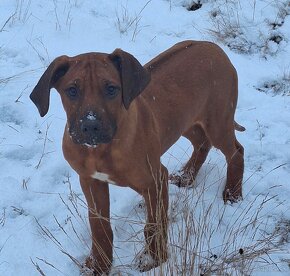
<point x="134" y="76"/>
<point x="41" y="92"/>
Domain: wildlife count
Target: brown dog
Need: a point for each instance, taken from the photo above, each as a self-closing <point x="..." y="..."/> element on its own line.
<point x="115" y="135"/>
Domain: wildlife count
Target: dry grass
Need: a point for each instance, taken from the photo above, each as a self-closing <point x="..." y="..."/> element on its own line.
<point x="68" y="229"/>
<point x="126" y="22"/>
<point x="5" y="80"/>
<point x="251" y="37"/>
<point x="44" y="152"/>
<point x="226" y="28"/>
<point x="65" y="18"/>
<point x="205" y="237"/>
<point x="278" y="86"/>
<point x="3" y="218"/>
<point x="207" y="245"/>
<point x="22" y="12"/>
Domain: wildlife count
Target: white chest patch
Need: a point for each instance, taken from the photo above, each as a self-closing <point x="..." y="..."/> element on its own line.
<point x="102" y="177"/>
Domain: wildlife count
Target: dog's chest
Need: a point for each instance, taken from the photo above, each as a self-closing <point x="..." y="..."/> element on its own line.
<point x="106" y="166"/>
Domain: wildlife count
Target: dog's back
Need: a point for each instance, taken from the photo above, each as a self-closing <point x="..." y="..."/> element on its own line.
<point x="204" y="79"/>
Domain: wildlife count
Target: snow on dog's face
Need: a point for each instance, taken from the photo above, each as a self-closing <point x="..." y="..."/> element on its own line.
<point x="95" y="89"/>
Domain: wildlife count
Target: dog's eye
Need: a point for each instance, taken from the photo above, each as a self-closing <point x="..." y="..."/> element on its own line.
<point x="72" y="92"/>
<point x="111" y="91"/>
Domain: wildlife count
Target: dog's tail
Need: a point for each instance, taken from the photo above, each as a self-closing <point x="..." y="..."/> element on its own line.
<point x="238" y="127"/>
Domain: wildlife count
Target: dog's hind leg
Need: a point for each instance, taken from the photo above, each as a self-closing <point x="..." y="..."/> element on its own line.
<point x="201" y="144"/>
<point x="235" y="171"/>
<point x="225" y="140"/>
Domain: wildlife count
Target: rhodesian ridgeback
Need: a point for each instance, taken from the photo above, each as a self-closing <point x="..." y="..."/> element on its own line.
<point x="122" y="117"/>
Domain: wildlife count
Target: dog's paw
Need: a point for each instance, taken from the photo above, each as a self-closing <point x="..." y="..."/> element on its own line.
<point x="181" y="180"/>
<point x="232" y="197"/>
<point x="144" y="262"/>
<point x="90" y="268"/>
<point x="85" y="271"/>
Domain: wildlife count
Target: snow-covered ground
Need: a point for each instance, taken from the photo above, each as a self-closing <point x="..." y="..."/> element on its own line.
<point x="43" y="217"/>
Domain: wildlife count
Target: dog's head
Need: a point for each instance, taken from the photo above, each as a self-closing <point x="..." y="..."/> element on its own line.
<point x="94" y="88"/>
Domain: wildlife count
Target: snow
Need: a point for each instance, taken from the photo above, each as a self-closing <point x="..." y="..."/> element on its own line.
<point x="91" y="116"/>
<point x="43" y="215"/>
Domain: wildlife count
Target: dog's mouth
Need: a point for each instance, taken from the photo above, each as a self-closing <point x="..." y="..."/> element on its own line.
<point x="91" y="140"/>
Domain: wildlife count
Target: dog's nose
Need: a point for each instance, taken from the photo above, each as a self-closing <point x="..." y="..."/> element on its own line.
<point x="90" y="127"/>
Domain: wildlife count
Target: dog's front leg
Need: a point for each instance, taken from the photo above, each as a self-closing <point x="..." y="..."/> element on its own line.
<point x="155" y="231"/>
<point x="97" y="196"/>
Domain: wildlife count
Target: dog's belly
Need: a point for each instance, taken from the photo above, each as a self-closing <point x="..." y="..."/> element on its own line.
<point x="174" y="118"/>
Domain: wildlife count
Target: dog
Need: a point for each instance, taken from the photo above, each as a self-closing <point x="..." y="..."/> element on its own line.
<point x="122" y="117"/>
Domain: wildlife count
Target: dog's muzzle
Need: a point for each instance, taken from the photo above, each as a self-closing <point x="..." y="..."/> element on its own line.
<point x="92" y="131"/>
